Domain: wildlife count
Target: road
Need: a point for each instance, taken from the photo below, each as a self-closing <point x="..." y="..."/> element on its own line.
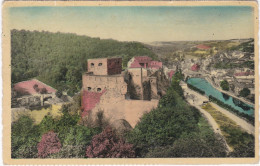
<point x="241" y="122"/>
<point x="195" y="99"/>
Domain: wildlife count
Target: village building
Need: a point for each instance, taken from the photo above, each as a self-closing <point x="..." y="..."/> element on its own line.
<point x="195" y="67"/>
<point x="31" y="93"/>
<point x="144" y="62"/>
<point x="203" y="47"/>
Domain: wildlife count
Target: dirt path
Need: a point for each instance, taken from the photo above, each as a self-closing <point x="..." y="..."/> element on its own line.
<point x="241" y="122"/>
<point x="196" y="100"/>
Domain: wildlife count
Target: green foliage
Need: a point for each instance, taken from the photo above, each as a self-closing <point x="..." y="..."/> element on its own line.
<point x="58" y="93"/>
<point x="48" y="123"/>
<point x="164" y="125"/>
<point x="245" y="150"/>
<point x="59" y="59"/>
<point x="74" y="138"/>
<point x="191" y="145"/>
<point x="175" y="84"/>
<point x="196" y="89"/>
<point x="24" y="138"/>
<point x="168" y="100"/>
<point x="244" y="92"/>
<point x="228" y="65"/>
<point x="175" y="129"/>
<point x="245" y="47"/>
<point x="224" y="85"/>
<point x="75" y="142"/>
<point x="178" y="76"/>
<point x="249" y="118"/>
<point x="236" y="137"/>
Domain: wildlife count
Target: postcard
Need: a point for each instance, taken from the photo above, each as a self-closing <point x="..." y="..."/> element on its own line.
<point x="127" y="82"/>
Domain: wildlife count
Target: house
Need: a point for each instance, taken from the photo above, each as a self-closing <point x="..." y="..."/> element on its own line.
<point x="33" y="87"/>
<point x="144" y="62"/>
<point x="247" y="73"/>
<point x="195" y="67"/>
<point x="171" y="73"/>
<point x="31" y="93"/>
<point x="203" y="47"/>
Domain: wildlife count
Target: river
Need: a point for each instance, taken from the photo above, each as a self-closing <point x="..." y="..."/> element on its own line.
<point x="205" y="86"/>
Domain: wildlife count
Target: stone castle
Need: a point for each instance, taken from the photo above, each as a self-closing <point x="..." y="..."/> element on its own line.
<point x="122" y="94"/>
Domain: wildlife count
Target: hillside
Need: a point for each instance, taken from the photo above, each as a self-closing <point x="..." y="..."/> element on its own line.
<point x="59" y="59"/>
<point x="172" y="52"/>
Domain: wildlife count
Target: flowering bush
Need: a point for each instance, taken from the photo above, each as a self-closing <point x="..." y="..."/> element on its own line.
<point x="108" y="145"/>
<point x="49" y="144"/>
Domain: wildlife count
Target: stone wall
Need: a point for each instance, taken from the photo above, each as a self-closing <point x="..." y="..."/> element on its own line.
<point x="114" y="66"/>
<point x="154" y="89"/>
<point x="129" y="110"/>
<point x="105" y="66"/>
<point x="111" y="88"/>
<point x="98" y="66"/>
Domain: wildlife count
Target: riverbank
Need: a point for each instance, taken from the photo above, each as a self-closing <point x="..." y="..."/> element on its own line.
<point x="197" y="100"/>
<point x="229" y="93"/>
<point x="241" y="122"/>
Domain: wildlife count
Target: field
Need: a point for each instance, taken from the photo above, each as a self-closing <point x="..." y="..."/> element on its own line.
<point x="234" y="135"/>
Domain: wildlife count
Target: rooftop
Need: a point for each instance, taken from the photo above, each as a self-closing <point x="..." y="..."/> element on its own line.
<point x="105" y="58"/>
<point x="32" y="87"/>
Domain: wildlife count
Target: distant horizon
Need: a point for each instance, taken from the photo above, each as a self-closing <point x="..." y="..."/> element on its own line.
<point x="144" y="24"/>
<point x="42" y="31"/>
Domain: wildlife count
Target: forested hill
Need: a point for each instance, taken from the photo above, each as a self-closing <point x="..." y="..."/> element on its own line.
<point x="59" y="59"/>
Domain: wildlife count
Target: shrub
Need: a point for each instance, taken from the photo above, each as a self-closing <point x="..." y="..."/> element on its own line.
<point x="196" y="89"/>
<point x="224" y="85"/>
<point x="168" y="99"/>
<point x="247" y="117"/>
<point x="244" y="92"/>
<point x="75" y="142"/>
<point x="108" y="145"/>
<point x="24" y="138"/>
<point x="191" y="145"/>
<point x="49" y="144"/>
<point x="244" y="150"/>
<point x="163" y="126"/>
<point x="48" y="123"/>
<point x="58" y="93"/>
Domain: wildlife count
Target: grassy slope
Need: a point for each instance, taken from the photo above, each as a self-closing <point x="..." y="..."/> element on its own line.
<point x="234" y="135"/>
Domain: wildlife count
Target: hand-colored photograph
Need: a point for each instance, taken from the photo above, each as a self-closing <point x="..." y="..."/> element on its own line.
<point x="132" y="81"/>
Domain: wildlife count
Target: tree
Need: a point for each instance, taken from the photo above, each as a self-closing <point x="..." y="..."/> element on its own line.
<point x="244" y="92"/>
<point x="244" y="150"/>
<point x="43" y="91"/>
<point x="224" y="85"/>
<point x="192" y="145"/>
<point x="58" y="93"/>
<point x="49" y="144"/>
<point x="59" y="59"/>
<point x="108" y="145"/>
<point x="24" y="138"/>
<point x="75" y="142"/>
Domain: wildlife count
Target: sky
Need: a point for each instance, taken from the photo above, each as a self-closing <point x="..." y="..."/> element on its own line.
<point x="140" y="23"/>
